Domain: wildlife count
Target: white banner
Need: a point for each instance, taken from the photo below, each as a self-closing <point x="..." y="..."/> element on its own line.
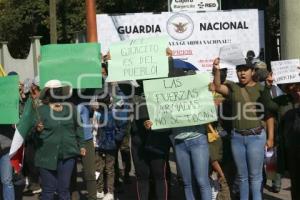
<point x="286" y="71"/>
<point x="193" y="37"/>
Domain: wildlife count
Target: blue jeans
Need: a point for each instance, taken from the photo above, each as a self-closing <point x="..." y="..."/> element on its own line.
<point x="193" y="154"/>
<point x="57" y="180"/>
<point x="248" y="155"/>
<point x="85" y="119"/>
<point x="6" y="178"/>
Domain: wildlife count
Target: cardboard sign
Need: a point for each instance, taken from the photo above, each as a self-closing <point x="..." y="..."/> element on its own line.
<point x="78" y="65"/>
<point x="286" y="71"/>
<point x="179" y="102"/>
<point x="9" y="100"/>
<point x="142" y="58"/>
<point x="231" y="56"/>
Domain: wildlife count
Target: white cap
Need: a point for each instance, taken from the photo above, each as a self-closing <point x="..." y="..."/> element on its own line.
<point x="53" y="84"/>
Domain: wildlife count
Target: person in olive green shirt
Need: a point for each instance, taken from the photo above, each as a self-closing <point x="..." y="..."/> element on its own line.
<point x="248" y="137"/>
<point x="59" y="141"/>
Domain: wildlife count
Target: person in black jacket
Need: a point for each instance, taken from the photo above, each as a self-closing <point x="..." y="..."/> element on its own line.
<point x="149" y="148"/>
<point x="291" y="127"/>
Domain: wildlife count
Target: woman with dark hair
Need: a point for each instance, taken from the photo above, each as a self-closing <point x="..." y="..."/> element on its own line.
<point x="248" y="137"/>
<point x="149" y="148"/>
<point x="149" y="155"/>
<point x="190" y="147"/>
<point x="59" y="140"/>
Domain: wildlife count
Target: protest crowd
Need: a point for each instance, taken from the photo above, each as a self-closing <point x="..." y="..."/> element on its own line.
<point x="115" y="119"/>
<point x="139" y="107"/>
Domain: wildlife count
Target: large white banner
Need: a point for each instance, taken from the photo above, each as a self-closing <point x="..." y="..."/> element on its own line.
<point x="193" y="37"/>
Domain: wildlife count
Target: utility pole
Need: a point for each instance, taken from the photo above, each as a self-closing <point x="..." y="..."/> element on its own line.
<point x="290" y="29"/>
<point x="53" y="29"/>
<point x="91" y="20"/>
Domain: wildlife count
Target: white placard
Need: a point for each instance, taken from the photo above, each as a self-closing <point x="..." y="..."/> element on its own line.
<point x="232" y="54"/>
<point x="231" y="75"/>
<point x="286" y="71"/>
<point x="194" y="5"/>
<point x="224" y="64"/>
<point x="193" y="37"/>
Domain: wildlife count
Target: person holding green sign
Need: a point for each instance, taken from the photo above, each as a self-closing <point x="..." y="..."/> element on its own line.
<point x="149" y="148"/>
<point x="191" y="150"/>
<point x="9" y="116"/>
<point x="59" y="140"/>
<point x="248" y="138"/>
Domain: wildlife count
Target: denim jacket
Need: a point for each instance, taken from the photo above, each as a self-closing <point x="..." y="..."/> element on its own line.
<point x="113" y="129"/>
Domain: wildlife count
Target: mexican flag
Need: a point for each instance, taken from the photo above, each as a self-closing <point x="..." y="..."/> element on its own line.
<point x="23" y="129"/>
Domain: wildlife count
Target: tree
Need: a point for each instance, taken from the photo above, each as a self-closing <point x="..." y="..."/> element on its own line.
<point x="71" y="18"/>
<point x="271" y="9"/>
<point x="130" y="6"/>
<point x="19" y="20"/>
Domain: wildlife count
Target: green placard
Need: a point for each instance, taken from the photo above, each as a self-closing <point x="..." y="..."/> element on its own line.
<point x="78" y="65"/>
<point x="143" y="58"/>
<point x="9" y="100"/>
<point x="180" y="101"/>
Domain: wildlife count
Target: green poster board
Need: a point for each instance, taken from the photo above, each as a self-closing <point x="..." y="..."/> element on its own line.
<point x="9" y="100"/>
<point x="143" y="58"/>
<point x="78" y="65"/>
<point x="180" y="101"/>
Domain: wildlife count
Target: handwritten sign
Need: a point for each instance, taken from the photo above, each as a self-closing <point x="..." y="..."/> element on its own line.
<point x="193" y="37"/>
<point x="286" y="71"/>
<point x="230" y="56"/>
<point x="9" y="100"/>
<point x="78" y="65"/>
<point x="225" y="64"/>
<point x="180" y="101"/>
<point x="143" y="58"/>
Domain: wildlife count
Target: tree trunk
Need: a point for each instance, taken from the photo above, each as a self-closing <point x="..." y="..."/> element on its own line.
<point x="53" y="29"/>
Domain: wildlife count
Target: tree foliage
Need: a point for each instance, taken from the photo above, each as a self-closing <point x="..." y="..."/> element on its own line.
<point x="20" y="19"/>
<point x="131" y="6"/>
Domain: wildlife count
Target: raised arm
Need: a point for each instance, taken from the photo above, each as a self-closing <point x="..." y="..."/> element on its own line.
<point x="220" y="88"/>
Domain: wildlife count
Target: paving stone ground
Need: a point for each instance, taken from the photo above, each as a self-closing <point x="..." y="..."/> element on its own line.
<point x="127" y="192"/>
<point x="176" y="193"/>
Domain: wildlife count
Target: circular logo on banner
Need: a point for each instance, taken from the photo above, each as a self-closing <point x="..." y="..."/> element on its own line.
<point x="180" y="26"/>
